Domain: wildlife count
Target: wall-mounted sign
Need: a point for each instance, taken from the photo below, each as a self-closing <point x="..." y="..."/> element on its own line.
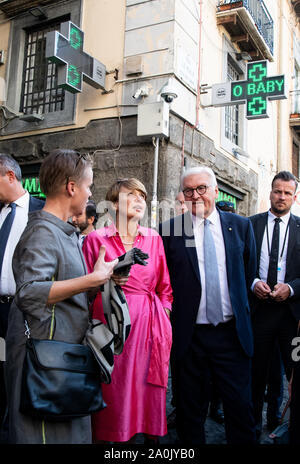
<point x="223" y="196"/>
<point x="32" y="185"/>
<point x="254" y="92"/>
<point x="65" y="48"/>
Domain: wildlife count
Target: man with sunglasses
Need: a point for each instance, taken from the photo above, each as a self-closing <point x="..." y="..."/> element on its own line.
<point x="211" y="257"/>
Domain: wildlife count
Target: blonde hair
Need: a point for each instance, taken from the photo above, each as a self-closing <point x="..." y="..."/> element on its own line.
<point x="59" y="167"/>
<point x="130" y="184"/>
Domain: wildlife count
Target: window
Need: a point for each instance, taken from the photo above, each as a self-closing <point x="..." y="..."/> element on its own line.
<point x="233" y="123"/>
<point x="295" y="160"/>
<point x="296" y="93"/>
<point x="232" y="112"/>
<point x="32" y="81"/>
<point x="40" y="93"/>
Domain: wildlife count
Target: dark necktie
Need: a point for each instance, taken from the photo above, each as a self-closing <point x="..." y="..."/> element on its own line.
<point x="273" y="261"/>
<point x="214" y="311"/>
<point x="5" y="230"/>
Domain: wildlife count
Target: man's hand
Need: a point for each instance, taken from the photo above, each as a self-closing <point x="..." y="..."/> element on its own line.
<point x="261" y="290"/>
<point x="281" y="292"/>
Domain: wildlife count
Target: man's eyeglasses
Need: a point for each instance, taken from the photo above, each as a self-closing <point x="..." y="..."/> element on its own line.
<point x="201" y="190"/>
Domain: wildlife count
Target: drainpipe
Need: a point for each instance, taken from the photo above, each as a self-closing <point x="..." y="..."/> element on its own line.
<point x="198" y="91"/>
<point x="280" y="164"/>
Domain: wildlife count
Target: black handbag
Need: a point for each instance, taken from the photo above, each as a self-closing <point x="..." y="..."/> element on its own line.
<point x="60" y="381"/>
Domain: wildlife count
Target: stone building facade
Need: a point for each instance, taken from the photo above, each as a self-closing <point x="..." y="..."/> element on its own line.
<point x="145" y="44"/>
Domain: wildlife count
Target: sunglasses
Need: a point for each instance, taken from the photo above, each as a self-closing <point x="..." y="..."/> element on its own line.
<point x="81" y="156"/>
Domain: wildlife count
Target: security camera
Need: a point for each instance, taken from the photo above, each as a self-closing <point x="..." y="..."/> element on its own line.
<point x="168" y="94"/>
<point x="141" y="92"/>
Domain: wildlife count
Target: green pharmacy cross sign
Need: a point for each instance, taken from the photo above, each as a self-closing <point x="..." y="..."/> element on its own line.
<point x="257" y="90"/>
<point x="65" y="48"/>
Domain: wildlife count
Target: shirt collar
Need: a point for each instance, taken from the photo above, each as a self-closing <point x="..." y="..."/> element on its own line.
<point x="22" y="201"/>
<point x="213" y="218"/>
<point x="285" y="219"/>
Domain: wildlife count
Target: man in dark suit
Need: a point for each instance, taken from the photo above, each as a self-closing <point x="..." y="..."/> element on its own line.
<point x="211" y="257"/>
<point x="275" y="300"/>
<point x="14" y="200"/>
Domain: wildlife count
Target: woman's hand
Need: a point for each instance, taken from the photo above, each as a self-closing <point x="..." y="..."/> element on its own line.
<point x="103" y="270"/>
<point x="63" y="289"/>
<point x="119" y="279"/>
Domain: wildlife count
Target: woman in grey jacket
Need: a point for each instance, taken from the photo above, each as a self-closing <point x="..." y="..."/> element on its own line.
<point x="50" y="271"/>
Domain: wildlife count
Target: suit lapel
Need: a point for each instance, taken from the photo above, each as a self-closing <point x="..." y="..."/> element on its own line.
<point x="189" y="242"/>
<point x="259" y="231"/>
<point x="293" y="232"/>
<point x="227" y="229"/>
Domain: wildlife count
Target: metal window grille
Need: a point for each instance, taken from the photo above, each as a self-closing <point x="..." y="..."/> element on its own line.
<point x="232" y="112"/>
<point x="40" y="93"/>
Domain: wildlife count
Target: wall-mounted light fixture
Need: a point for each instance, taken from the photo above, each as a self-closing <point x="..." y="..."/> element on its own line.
<point x="38" y="13"/>
<point x="243" y="56"/>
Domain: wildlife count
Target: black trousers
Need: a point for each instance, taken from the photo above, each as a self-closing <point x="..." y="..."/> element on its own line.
<point x="272" y="322"/>
<point x="295" y="407"/>
<point x="217" y="352"/>
<point x="275" y="385"/>
<point x="4" y="310"/>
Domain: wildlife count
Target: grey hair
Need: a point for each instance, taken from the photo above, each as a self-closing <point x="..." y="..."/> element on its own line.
<point x="8" y="163"/>
<point x="199" y="170"/>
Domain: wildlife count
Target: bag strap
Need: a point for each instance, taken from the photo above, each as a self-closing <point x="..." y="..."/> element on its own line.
<point x="27" y="329"/>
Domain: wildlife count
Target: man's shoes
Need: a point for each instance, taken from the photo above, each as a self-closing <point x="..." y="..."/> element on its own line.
<point x="217" y="415"/>
<point x="258" y="430"/>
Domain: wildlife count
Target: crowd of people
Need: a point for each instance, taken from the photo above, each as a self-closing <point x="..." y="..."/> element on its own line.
<point x="218" y="301"/>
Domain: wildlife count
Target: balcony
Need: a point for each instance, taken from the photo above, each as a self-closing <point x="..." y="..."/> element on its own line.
<point x="14" y="7"/>
<point x="295" y="111"/>
<point x="296" y="5"/>
<point x="250" y="26"/>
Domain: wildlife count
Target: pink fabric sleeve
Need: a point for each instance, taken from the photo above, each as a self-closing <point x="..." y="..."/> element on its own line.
<point x="163" y="286"/>
<point x="90" y="249"/>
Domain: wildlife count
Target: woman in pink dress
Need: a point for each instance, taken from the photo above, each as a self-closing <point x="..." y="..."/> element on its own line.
<point x="136" y="397"/>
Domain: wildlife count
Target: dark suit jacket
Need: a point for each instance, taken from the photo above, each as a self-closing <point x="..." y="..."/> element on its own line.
<point x="292" y="275"/>
<point x="34" y="204"/>
<point x="185" y="277"/>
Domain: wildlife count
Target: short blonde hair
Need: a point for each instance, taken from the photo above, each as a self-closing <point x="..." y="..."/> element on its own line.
<point x="59" y="167"/>
<point x="131" y="184"/>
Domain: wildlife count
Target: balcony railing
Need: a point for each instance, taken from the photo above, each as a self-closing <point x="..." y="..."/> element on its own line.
<point x="259" y="13"/>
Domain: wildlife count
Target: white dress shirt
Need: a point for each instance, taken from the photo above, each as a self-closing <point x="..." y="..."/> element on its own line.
<point x="7" y="281"/>
<point x="265" y="249"/>
<point x="216" y="230"/>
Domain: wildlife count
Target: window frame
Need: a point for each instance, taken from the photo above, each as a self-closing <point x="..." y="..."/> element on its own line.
<point x="14" y="73"/>
<point x="240" y="67"/>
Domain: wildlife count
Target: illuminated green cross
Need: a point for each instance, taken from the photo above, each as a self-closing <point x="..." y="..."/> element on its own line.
<point x="65" y="48"/>
<point x="257" y="90"/>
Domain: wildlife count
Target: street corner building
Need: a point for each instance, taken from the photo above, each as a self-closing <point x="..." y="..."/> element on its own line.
<point x="151" y="87"/>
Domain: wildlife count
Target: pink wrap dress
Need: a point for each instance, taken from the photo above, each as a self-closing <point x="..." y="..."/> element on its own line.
<point x="136" y="397"/>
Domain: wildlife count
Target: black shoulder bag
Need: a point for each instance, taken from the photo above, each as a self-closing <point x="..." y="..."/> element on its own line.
<point x="60" y="381"/>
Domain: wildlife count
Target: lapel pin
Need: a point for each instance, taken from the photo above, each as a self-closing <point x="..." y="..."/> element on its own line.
<point x="230" y="228"/>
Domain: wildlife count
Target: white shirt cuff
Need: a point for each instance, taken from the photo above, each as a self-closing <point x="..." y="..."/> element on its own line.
<point x="253" y="285"/>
